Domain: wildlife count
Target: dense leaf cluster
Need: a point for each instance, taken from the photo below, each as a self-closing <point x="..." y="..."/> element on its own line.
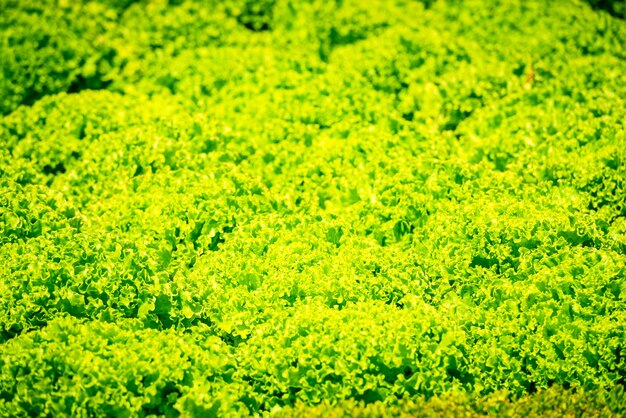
<point x="243" y="207"/>
<point x="553" y="402"/>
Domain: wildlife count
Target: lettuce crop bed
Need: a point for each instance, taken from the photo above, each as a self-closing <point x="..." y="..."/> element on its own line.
<point x="312" y="208"/>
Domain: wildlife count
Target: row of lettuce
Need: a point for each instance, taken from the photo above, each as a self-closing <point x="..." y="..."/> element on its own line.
<point x="238" y="208"/>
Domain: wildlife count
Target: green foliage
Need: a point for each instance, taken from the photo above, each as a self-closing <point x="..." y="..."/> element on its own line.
<point x="547" y="403"/>
<point x="615" y="7"/>
<point x="76" y="369"/>
<point x="47" y="48"/>
<point x="312" y="208"/>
